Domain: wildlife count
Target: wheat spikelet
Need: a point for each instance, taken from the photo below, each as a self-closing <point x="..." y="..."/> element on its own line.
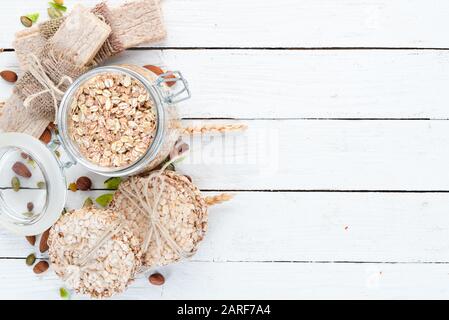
<point x="214" y="128"/>
<point x="213" y="200"/>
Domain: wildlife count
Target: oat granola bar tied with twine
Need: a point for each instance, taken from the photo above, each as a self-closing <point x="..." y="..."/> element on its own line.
<point x="166" y="212"/>
<point x="55" y="53"/>
<point x="94" y="252"/>
<point x="153" y="220"/>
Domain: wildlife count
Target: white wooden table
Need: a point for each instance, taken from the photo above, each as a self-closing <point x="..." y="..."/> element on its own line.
<point x="341" y="181"/>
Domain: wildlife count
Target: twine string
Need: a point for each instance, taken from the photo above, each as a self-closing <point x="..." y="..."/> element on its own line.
<point x="38" y="72"/>
<point x="74" y="270"/>
<point x="147" y="203"/>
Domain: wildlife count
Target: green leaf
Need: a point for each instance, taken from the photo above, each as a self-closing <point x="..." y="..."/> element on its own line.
<point x="59" y="7"/>
<point x="104" y="199"/>
<point x="33" y="16"/>
<point x="64" y="293"/>
<point x="113" y="183"/>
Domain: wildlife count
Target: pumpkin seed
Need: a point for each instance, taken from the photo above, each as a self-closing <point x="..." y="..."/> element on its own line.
<point x="88" y="202"/>
<point x="31" y="162"/>
<point x="15" y="184"/>
<point x="41" y="185"/>
<point x="54" y="13"/>
<point x="30" y="259"/>
<point x="28" y="214"/>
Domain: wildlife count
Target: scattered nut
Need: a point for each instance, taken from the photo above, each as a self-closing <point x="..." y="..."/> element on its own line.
<point x="155" y="69"/>
<point x="170" y="83"/>
<point x="73" y="187"/>
<point x="83" y="183"/>
<point x="157" y="279"/>
<point x="45" y="136"/>
<point x="43" y="245"/>
<point x="88" y="203"/>
<point x="9" y="76"/>
<point x="179" y="149"/>
<point x="40" y="184"/>
<point x="15" y="184"/>
<point x="21" y="170"/>
<point x="24" y="155"/>
<point x="41" y="267"/>
<point x="30" y="206"/>
<point x="31" y="240"/>
<point x="30" y="259"/>
<point x="27" y="22"/>
<point x="53" y="13"/>
<point x="158" y="71"/>
<point x="28" y="214"/>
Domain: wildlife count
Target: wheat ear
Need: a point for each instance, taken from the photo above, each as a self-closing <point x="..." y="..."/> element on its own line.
<point x="214" y="128"/>
<point x="213" y="200"/>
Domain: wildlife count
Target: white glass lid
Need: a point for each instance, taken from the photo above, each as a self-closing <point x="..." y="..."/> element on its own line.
<point x="32" y="185"/>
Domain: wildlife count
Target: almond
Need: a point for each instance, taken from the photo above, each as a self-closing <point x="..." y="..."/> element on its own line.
<point x="21" y="170"/>
<point x="45" y="136"/>
<point x="170" y="83"/>
<point x="158" y="71"/>
<point x="43" y="245"/>
<point x="157" y="279"/>
<point x="41" y="267"/>
<point x="9" y="76"/>
<point x="31" y="239"/>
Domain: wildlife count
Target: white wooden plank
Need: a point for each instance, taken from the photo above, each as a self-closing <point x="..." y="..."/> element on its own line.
<point x="208" y="280"/>
<point x="255" y="226"/>
<point x="301" y="84"/>
<point x="335" y="155"/>
<point x="316" y="155"/>
<point x="282" y="23"/>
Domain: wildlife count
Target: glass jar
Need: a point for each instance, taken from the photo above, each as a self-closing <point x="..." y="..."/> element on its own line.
<point x="168" y="125"/>
<point x="33" y="188"/>
<point x="33" y="185"/>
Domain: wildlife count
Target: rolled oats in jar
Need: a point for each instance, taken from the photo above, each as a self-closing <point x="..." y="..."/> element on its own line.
<point x="121" y="120"/>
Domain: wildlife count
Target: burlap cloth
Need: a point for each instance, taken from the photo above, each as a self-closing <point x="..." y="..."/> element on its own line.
<point x="52" y="66"/>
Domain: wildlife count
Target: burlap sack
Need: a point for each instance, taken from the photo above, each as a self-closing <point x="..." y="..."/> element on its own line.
<point x="57" y="52"/>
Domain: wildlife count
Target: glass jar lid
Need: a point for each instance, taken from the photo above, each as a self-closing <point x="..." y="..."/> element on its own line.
<point x="32" y="185"/>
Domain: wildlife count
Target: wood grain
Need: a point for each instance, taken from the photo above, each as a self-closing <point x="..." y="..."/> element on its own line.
<point x="301" y="84"/>
<point x="279" y="226"/>
<point x="326" y="155"/>
<point x="283" y="23"/>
